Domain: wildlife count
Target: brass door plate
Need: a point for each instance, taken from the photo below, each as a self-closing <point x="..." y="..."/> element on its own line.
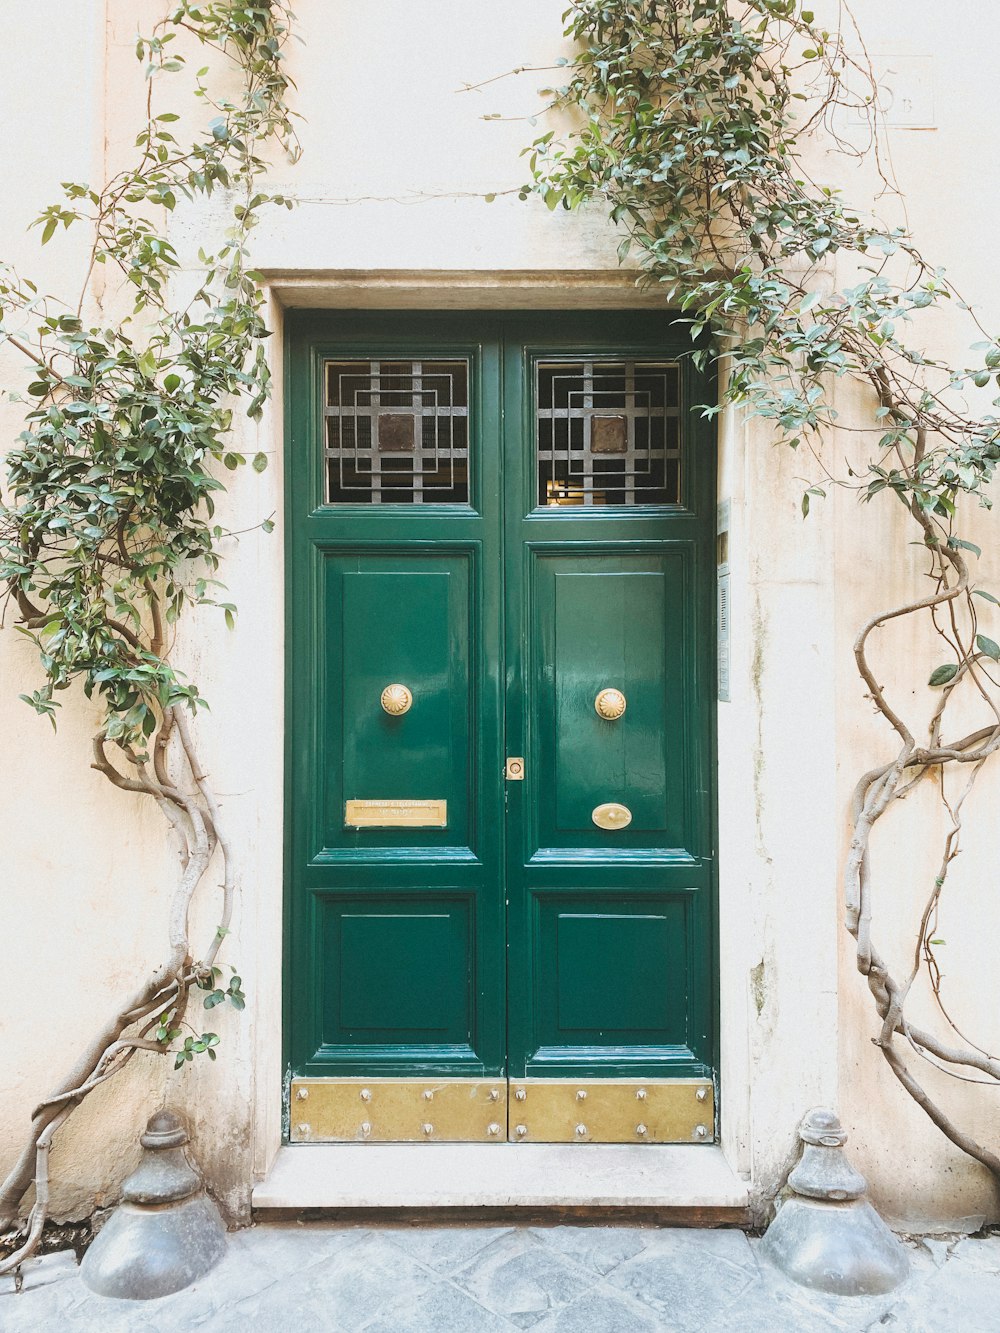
<point x="388" y="1110"/>
<point x="396" y="814"/>
<point x="611" y="1111"/>
<point x="515" y="769"/>
<point x="612" y="815"/>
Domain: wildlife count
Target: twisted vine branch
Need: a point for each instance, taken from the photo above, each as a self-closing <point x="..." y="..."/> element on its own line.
<point x="164" y="996"/>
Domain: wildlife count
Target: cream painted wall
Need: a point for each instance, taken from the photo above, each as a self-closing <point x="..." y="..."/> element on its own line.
<point x="396" y="160"/>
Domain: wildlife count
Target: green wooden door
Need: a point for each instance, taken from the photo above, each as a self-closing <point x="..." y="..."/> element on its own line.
<point x="502" y="516"/>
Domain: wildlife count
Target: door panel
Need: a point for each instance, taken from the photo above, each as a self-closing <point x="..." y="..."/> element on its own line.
<point x="401" y="618"/>
<point x="600" y="638"/>
<point x="593" y="628"/>
<point x="397" y="971"/>
<point x="619" y="975"/>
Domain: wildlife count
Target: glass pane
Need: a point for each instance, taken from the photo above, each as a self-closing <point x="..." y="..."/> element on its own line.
<point x="607" y="433"/>
<point x="397" y="432"/>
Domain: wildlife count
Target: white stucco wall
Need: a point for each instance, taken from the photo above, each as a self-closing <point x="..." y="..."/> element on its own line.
<point x="396" y="160"/>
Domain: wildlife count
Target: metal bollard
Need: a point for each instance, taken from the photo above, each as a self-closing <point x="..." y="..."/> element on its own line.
<point x="826" y="1235"/>
<point x="166" y="1233"/>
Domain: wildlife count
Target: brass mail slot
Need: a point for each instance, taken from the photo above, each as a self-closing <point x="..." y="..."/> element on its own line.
<point x="396" y="814"/>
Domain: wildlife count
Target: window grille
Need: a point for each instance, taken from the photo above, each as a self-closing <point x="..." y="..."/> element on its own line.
<point x="397" y="432"/>
<point x="608" y="433"/>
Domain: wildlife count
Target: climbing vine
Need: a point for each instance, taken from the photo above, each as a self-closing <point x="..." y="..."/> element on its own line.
<point x="689" y="119"/>
<point x="108" y="530"/>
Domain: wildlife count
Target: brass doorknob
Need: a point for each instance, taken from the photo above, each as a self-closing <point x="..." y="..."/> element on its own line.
<point x="610" y="704"/>
<point x="396" y="700"/>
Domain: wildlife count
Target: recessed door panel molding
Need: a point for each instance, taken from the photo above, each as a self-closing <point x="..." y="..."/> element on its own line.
<point x="592" y="612"/>
<point x="397" y="972"/>
<point x="406" y="619"/>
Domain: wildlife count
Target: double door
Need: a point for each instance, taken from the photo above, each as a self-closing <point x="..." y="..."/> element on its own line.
<point x="500" y="746"/>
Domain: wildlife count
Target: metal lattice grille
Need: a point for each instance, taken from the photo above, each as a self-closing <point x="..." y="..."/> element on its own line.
<point x="608" y="432"/>
<point x="397" y="432"/>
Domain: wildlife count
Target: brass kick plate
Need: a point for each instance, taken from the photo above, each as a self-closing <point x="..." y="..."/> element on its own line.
<point x="396" y="814"/>
<point x="387" y="1110"/>
<point x="611" y="1111"/>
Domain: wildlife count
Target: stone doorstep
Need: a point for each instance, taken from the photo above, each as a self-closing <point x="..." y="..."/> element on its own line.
<point x="663" y="1183"/>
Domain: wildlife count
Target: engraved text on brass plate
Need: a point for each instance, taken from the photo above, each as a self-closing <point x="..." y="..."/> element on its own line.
<point x="396" y="814"/>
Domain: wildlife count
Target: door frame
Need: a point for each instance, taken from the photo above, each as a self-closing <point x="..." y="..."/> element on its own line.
<point x="305" y="330"/>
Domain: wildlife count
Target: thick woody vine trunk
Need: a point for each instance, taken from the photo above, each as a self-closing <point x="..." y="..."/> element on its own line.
<point x="873" y="797"/>
<point x="193" y="817"/>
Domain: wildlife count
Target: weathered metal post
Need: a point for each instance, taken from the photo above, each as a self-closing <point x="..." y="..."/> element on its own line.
<point x="166" y="1233"/>
<point x="827" y="1236"/>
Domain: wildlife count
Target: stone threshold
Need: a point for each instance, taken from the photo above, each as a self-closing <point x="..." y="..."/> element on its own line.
<point x="689" y="1186"/>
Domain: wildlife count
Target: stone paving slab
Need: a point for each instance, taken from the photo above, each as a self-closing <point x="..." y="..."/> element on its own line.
<point x="315" y="1278"/>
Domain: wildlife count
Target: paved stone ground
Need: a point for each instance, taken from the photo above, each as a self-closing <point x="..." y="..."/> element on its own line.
<point x="468" y="1279"/>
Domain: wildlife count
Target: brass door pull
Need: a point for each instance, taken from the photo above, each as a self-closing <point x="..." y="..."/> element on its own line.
<point x="396" y="700"/>
<point x="610" y="704"/>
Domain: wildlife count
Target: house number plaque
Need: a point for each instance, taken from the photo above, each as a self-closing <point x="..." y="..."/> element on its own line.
<point x="396" y="814"/>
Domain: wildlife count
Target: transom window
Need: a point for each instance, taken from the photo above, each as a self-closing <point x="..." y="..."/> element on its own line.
<point x="397" y="432"/>
<point x="608" y="432"/>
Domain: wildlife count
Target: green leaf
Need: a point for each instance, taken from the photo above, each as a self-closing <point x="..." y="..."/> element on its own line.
<point x="260" y="462"/>
<point x="964" y="545"/>
<point x="943" y="674"/>
<point x="986" y="596"/>
<point x="988" y="647"/>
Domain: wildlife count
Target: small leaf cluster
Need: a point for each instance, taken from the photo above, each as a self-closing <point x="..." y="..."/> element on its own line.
<point x="203" y="1045"/>
<point x="233" y="991"/>
<point x="166" y="1032"/>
